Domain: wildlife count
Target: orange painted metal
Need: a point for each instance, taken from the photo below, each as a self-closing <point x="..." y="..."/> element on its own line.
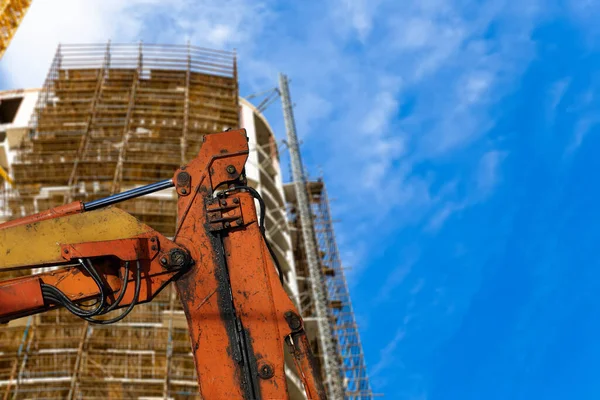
<point x="204" y="290"/>
<point x="20" y="295"/>
<point x="239" y="316"/>
<point x="143" y="247"/>
<point x="79" y="286"/>
<point x="305" y="364"/>
<point x="234" y="302"/>
<point x="67" y="209"/>
<point x="209" y="169"/>
<point x="264" y="308"/>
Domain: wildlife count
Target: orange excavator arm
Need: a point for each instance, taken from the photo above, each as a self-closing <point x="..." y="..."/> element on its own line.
<point x="239" y="316"/>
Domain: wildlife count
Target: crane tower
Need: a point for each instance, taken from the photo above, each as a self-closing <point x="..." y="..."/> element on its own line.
<point x="11" y="15"/>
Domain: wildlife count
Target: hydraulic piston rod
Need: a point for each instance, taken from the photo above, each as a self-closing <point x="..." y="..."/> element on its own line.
<point x="130" y="194"/>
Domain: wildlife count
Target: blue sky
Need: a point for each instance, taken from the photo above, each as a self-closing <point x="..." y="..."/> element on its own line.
<point x="459" y="140"/>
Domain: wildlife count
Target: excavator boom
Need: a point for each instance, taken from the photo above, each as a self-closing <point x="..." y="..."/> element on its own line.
<point x="240" y="319"/>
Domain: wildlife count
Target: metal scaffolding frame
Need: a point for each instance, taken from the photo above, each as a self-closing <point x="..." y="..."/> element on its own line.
<point x="325" y="297"/>
<point x="328" y="351"/>
<point x="110" y="117"/>
<point x="345" y="328"/>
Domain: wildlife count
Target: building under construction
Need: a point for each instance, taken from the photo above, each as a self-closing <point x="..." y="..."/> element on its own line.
<point x="112" y="117"/>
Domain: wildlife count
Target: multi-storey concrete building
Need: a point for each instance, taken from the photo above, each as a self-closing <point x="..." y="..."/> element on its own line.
<point x="107" y="119"/>
<point x="110" y="118"/>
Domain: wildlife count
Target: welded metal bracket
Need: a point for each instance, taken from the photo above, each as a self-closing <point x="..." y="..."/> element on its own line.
<point x="224" y="213"/>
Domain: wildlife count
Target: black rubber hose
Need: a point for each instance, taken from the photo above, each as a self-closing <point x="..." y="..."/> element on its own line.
<point x="136" y="296"/>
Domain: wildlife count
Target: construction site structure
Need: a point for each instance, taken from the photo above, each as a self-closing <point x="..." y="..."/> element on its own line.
<point x="16" y="108"/>
<point x="11" y="15"/>
<point x="109" y="118"/>
<point x="324" y="295"/>
<point x="112" y="117"/>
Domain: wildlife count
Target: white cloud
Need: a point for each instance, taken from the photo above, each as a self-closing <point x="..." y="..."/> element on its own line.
<point x="387" y="353"/>
<point x="396" y="277"/>
<point x="383" y="107"/>
<point x="581" y="130"/>
<point x="349" y="95"/>
<point x="488" y="172"/>
<point x="474" y="88"/>
<point x="50" y="22"/>
<point x="487" y="176"/>
<point x="360" y="13"/>
<point x="441" y="215"/>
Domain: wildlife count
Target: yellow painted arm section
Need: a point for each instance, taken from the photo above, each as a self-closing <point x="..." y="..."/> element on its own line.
<point x="38" y="243"/>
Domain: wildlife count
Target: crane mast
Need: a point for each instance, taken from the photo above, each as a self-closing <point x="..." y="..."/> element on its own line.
<point x="11" y="15"/>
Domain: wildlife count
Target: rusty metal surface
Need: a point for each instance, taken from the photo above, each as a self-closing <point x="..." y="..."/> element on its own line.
<point x="67" y="209"/>
<point x="204" y="290"/>
<point x="38" y="243"/>
<point x="239" y="316"/>
<point x="234" y="302"/>
<point x="124" y="249"/>
<point x="17" y="296"/>
<point x="149" y="247"/>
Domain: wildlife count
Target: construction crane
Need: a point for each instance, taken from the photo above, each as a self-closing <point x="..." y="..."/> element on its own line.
<point x="4" y="175"/>
<point x="11" y="15"/>
<point x="228" y="278"/>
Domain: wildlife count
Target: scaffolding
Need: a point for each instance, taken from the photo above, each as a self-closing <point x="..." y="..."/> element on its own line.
<point x="111" y="117"/>
<point x="345" y="329"/>
<point x="324" y="295"/>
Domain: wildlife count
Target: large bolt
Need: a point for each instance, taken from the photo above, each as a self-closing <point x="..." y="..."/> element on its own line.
<point x="230" y="169"/>
<point x="178" y="258"/>
<point x="265" y="371"/>
<point x="183" y="179"/>
<point x="293" y="320"/>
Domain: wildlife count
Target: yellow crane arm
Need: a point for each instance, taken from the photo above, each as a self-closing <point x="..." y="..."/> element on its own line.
<point x="11" y="15"/>
<point x="4" y="175"/>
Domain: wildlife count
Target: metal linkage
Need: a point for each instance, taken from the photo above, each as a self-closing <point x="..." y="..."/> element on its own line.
<point x="332" y="370"/>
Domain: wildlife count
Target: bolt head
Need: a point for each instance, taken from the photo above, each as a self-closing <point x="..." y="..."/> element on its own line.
<point x="179" y="258"/>
<point x="154" y="248"/>
<point x="183" y="178"/>
<point x="293" y="320"/>
<point x="223" y="202"/>
<point x="230" y="169"/>
<point x="236" y="200"/>
<point x="240" y="221"/>
<point x="265" y="371"/>
<point x="226" y="224"/>
<point x="163" y="261"/>
<point x="183" y="191"/>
